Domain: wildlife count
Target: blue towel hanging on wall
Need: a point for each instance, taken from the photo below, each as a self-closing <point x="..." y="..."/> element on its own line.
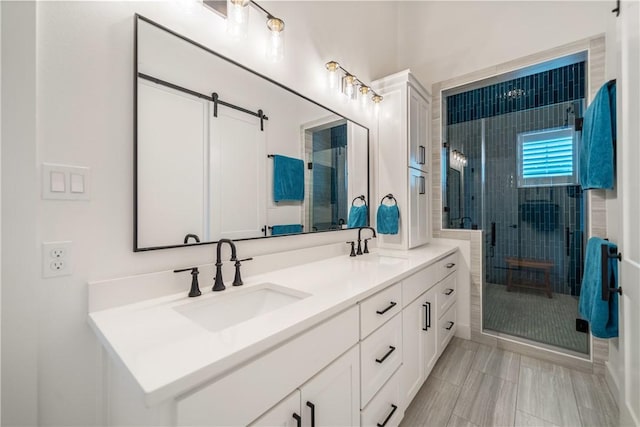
<point x="388" y="217"/>
<point x="288" y="178"/>
<point x="597" y="158"/>
<point x="278" y="230"/>
<point x="601" y="315"/>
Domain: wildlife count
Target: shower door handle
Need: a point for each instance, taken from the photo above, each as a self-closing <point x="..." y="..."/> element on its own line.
<point x="493" y="234"/>
<point x="567" y="239"/>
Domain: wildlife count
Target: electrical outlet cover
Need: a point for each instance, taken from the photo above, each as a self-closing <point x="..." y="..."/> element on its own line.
<point x="56" y="259"/>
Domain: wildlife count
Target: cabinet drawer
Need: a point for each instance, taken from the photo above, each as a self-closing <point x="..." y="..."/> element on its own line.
<point x="283" y="369"/>
<point x="416" y="284"/>
<point x="446" y="294"/>
<point x="446" y="328"/>
<point x="377" y="309"/>
<point x="380" y="356"/>
<point x="385" y="409"/>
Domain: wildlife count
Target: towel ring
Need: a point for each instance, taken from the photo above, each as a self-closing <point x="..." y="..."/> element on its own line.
<point x="361" y="198"/>
<point x="389" y="196"/>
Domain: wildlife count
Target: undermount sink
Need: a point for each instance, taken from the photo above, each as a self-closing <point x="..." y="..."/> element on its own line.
<point x="219" y="312"/>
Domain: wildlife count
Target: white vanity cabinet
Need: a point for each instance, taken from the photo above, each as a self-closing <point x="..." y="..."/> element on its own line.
<point x="381" y="352"/>
<point x="403" y="156"/>
<point x="426" y="329"/>
<point x="328" y="399"/>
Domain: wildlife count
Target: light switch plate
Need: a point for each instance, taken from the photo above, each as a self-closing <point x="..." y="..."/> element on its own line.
<point x="64" y="182"/>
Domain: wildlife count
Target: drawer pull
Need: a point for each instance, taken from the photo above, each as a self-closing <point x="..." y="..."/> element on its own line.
<point x="427" y="316"/>
<point x="391" y="305"/>
<point x="298" y="419"/>
<point x="386" y="420"/>
<point x="448" y="328"/>
<point x="313" y="413"/>
<point x="391" y="350"/>
<point x="449" y="291"/>
<point x="451" y="265"/>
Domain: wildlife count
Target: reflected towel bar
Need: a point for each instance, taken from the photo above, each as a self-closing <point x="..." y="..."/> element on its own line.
<point x="362" y="198"/>
<point x="605" y="254"/>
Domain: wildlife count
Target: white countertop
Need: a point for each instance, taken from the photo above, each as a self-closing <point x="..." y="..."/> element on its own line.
<point x="168" y="354"/>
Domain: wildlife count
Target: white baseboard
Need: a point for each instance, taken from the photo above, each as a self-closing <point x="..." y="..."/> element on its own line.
<point x="626" y="417"/>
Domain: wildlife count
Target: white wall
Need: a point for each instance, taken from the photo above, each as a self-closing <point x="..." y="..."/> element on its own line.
<point x="444" y="39"/>
<point x="51" y="360"/>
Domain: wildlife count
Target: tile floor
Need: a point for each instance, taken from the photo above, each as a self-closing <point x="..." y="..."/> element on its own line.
<point x="477" y="385"/>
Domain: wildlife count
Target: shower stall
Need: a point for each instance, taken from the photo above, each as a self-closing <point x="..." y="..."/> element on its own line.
<point x="510" y="166"/>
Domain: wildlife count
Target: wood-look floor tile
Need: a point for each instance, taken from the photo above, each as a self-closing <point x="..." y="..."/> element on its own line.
<point x="595" y="402"/>
<point x="545" y="390"/>
<point x="456" y="421"/>
<point x="455" y="362"/>
<point x="486" y="400"/>
<point x="433" y="404"/>
<point x="497" y="362"/>
<point x="527" y="420"/>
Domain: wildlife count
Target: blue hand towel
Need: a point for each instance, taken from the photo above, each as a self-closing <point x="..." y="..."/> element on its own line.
<point x="288" y="178"/>
<point x="598" y="136"/>
<point x="388" y="219"/>
<point x="278" y="230"/>
<point x="358" y="216"/>
<point x="602" y="315"/>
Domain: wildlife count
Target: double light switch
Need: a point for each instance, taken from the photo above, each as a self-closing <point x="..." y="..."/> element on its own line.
<point x="65" y="182"/>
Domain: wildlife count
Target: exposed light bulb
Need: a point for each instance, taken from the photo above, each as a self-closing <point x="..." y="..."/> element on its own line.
<point x="377" y="99"/>
<point x="332" y="70"/>
<point x="275" y="47"/>
<point x="364" y="95"/>
<point x="238" y="18"/>
<point x="347" y="84"/>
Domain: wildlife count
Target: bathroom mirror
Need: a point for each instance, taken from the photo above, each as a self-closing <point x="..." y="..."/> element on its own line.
<point x="211" y="135"/>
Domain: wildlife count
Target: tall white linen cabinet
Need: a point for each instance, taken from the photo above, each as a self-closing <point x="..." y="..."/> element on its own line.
<point x="404" y="147"/>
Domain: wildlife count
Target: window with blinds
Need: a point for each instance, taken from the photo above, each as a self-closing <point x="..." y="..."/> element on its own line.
<point x="547" y="157"/>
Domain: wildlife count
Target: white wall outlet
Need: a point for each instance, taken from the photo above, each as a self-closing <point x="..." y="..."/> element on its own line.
<point x="56" y="259"/>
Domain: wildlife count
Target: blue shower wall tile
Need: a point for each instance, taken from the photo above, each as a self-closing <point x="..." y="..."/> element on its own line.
<point x="537" y="90"/>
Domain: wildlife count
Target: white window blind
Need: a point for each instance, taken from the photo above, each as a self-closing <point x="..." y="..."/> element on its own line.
<point x="547" y="157"/>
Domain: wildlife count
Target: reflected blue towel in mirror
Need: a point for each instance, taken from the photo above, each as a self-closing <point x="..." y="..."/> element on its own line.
<point x="277" y="230"/>
<point x="601" y="315"/>
<point x="598" y="136"/>
<point x="288" y="178"/>
<point x="387" y="219"/>
<point x="357" y="216"/>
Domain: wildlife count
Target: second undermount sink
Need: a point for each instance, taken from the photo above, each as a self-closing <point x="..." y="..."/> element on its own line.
<point x="221" y="311"/>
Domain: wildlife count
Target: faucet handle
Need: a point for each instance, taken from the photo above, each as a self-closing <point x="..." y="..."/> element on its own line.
<point x="237" y="280"/>
<point x="195" y="289"/>
<point x="366" y="247"/>
<point x="353" y="248"/>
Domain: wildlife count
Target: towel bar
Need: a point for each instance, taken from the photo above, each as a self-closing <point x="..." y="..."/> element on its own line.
<point x="606" y="253"/>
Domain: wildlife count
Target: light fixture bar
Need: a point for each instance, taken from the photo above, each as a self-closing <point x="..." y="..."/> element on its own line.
<point x="358" y="85"/>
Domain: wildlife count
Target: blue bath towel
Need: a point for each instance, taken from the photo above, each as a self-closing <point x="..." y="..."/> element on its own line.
<point x="387" y="219"/>
<point x="598" y="136"/>
<point x="288" y="178"/>
<point x="358" y="216"/>
<point x="278" y="230"/>
<point x="601" y="315"/>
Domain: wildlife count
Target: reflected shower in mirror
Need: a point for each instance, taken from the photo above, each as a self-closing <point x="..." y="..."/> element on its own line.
<point x="208" y="134"/>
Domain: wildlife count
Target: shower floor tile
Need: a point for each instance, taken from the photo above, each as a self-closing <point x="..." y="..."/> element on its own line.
<point x="531" y="315"/>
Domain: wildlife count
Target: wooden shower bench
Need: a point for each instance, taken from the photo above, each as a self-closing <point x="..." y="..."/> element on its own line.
<point x="530" y="264"/>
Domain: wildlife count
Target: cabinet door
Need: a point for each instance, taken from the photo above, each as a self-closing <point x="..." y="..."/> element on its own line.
<point x="418" y="208"/>
<point x="419" y="341"/>
<point x="418" y="131"/>
<point x="332" y="398"/>
<point x="284" y="414"/>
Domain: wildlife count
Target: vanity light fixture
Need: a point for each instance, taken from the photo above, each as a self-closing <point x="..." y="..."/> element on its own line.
<point x="238" y="25"/>
<point x="351" y="85"/>
<point x="458" y="159"/>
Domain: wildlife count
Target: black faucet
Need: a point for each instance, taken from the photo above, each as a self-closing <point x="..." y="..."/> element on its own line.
<point x="366" y="248"/>
<point x="218" y="283"/>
